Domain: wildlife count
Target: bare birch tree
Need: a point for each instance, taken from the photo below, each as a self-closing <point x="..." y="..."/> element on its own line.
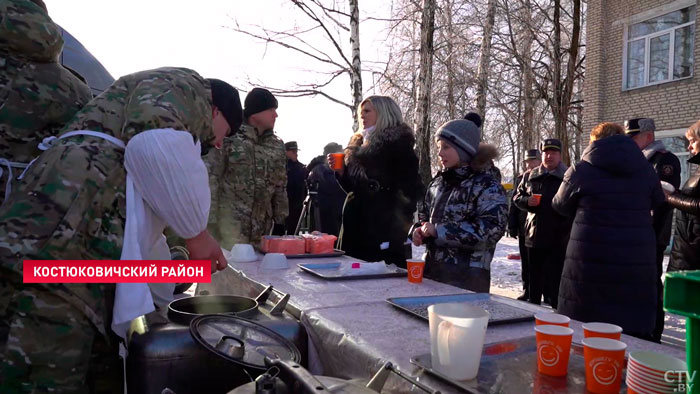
<point x="425" y="76"/>
<point x="484" y="59"/>
<point x="327" y="21"/>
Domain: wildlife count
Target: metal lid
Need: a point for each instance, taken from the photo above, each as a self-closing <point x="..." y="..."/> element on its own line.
<point x="241" y="341"/>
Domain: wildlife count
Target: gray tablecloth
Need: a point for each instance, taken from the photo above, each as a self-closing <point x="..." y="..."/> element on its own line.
<point x="354" y="331"/>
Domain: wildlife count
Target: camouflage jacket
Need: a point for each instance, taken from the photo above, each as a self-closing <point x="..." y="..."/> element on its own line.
<point x="468" y="207"/>
<point x="71" y="202"/>
<point x="248" y="181"/>
<point x="37" y="95"/>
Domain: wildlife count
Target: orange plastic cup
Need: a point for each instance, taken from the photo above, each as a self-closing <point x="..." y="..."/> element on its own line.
<point x="553" y="319"/>
<point x="538" y="197"/>
<point x="415" y="270"/>
<point x="604" y="359"/>
<point x="553" y="348"/>
<point x="338" y="160"/>
<point x="602" y="330"/>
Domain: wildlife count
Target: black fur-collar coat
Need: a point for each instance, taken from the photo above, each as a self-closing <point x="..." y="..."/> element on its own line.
<point x="382" y="173"/>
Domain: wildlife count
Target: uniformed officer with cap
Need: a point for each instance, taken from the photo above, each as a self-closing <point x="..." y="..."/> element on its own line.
<point x="546" y="231"/>
<point x="296" y="185"/>
<point x="516" y="220"/>
<point x="668" y="167"/>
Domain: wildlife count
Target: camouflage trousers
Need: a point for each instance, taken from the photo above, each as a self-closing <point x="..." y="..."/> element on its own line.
<point x="50" y="346"/>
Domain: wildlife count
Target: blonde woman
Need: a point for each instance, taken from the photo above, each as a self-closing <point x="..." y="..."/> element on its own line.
<point x="685" y="252"/>
<point x="381" y="171"/>
<point x="610" y="270"/>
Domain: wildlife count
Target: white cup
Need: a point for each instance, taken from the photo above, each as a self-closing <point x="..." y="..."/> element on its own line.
<point x="457" y="332"/>
<point x="243" y="253"/>
<point x="274" y="261"/>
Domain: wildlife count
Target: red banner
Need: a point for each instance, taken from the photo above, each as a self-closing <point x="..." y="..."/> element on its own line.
<point x="117" y="271"/>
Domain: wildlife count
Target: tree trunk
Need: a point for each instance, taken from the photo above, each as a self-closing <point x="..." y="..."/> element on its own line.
<point x="425" y="76"/>
<point x="449" y="62"/>
<point x="356" y="70"/>
<point x="484" y="60"/>
<point x="530" y="136"/>
<point x="562" y="90"/>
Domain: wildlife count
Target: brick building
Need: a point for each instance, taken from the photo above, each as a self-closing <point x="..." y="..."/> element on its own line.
<point x="642" y="60"/>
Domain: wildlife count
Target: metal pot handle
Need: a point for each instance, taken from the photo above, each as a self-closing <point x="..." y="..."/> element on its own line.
<point x="293" y="373"/>
<point x="280" y="306"/>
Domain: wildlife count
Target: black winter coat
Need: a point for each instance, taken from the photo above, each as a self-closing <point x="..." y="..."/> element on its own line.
<point x="296" y="192"/>
<point x="544" y="227"/>
<point x="610" y="271"/>
<point x="516" y="216"/>
<point x="383" y="176"/>
<point x="685" y="253"/>
<point x="327" y="197"/>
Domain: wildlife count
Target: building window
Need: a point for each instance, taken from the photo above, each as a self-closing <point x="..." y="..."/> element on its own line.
<point x="660" y="49"/>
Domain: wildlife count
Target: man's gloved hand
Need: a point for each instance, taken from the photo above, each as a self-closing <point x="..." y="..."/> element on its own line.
<point x="513" y="232"/>
<point x="204" y="247"/>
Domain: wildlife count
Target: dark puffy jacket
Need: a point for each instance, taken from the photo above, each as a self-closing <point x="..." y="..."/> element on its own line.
<point x="327" y="197"/>
<point x="468" y="207"/>
<point x="383" y="176"/>
<point x="610" y="272"/>
<point x="544" y="227"/>
<point x="685" y="253"/>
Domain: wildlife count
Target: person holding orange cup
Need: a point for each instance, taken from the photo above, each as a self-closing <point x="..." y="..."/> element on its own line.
<point x="553" y="349"/>
<point x="415" y="270"/>
<point x="534" y="200"/>
<point x="337" y="160"/>
<point x="554" y="319"/>
<point x="602" y="330"/>
<point x="604" y="358"/>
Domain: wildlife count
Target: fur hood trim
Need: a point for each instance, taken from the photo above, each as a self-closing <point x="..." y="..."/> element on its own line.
<point x="484" y="157"/>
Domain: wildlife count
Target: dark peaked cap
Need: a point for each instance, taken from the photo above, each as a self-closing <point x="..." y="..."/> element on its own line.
<point x="551" y="144"/>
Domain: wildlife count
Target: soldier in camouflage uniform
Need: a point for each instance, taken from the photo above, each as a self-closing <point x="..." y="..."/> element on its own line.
<point x="71" y="205"/>
<point x="464" y="213"/>
<point x="37" y="95"/>
<point x="248" y="177"/>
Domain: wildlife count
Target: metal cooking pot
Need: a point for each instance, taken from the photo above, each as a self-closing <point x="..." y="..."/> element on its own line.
<point x="167" y="355"/>
<point x="182" y="311"/>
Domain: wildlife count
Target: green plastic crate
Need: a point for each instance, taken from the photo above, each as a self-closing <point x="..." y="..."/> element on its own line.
<point x="682" y="297"/>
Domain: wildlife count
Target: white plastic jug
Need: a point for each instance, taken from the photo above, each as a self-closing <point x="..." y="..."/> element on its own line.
<point x="457" y="332"/>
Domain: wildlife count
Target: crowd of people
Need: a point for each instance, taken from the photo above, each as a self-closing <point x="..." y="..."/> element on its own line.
<point x="102" y="178"/>
<point x="592" y="237"/>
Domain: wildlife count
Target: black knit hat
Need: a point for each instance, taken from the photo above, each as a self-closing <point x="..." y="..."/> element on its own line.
<point x="225" y="97"/>
<point x="258" y="100"/>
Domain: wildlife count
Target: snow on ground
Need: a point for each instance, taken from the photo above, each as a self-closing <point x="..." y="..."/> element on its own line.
<point x="506" y="281"/>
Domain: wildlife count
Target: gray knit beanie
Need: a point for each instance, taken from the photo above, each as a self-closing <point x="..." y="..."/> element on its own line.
<point x="463" y="135"/>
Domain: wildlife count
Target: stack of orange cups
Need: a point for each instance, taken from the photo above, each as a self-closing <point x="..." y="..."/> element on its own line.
<point x="604" y="358"/>
<point x="553" y="349"/>
<point x="602" y="330"/>
<point x="550" y="318"/>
